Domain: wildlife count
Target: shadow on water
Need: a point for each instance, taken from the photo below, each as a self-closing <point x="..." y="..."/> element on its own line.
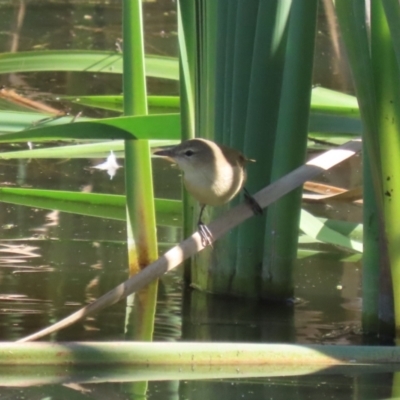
<point x="215" y="318"/>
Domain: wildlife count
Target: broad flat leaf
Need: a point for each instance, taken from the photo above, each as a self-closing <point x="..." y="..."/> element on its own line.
<point x="305" y="239"/>
<point x="333" y="102"/>
<point x="313" y="227"/>
<point x="334" y="113"/>
<point x="13" y="121"/>
<point x="160" y="127"/>
<point x="115" y="103"/>
<point x="108" y="206"/>
<point x="351" y="230"/>
<point x="90" y="150"/>
<point x="83" y="60"/>
<point x="326" y="127"/>
<point x="304" y="253"/>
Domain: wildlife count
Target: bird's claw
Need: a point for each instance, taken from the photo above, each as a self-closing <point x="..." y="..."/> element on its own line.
<point x="205" y="234"/>
<point x="252" y="202"/>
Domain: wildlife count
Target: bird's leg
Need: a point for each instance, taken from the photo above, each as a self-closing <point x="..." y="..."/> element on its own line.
<point x="252" y="202"/>
<point x="205" y="233"/>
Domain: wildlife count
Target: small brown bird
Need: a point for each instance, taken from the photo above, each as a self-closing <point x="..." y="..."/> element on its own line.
<point x="212" y="173"/>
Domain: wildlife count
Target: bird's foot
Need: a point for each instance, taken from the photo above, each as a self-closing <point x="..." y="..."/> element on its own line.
<point x="205" y="234"/>
<point x="252" y="202"/>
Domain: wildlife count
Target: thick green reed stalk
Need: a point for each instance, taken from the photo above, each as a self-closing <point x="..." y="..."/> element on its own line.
<point x="141" y="227"/>
<point x="139" y="183"/>
<point x="280" y="251"/>
<point x="377" y="289"/>
<point x="264" y="93"/>
<point x="240" y="62"/>
<point x="387" y="82"/>
<point x="187" y="63"/>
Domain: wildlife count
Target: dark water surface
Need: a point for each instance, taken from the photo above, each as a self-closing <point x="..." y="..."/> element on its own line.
<point x="52" y="263"/>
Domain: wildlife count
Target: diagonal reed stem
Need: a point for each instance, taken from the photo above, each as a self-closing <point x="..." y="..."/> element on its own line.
<point x="192" y="245"/>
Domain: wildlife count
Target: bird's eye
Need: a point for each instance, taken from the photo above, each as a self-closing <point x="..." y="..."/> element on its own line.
<point x="189" y="153"/>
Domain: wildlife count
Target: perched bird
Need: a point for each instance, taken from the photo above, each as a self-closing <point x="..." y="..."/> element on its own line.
<point x="212" y="173"/>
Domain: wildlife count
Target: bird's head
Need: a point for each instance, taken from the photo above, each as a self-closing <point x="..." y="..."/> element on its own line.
<point x="193" y="153"/>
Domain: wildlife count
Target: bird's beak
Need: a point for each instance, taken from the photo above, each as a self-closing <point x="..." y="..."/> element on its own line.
<point x="165" y="152"/>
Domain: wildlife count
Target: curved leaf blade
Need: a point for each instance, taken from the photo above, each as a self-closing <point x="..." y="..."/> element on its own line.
<point x="15" y="121"/>
<point x="155" y="127"/>
<point x="115" y="102"/>
<point x="83" y="61"/>
<point x="100" y="205"/>
<point x="314" y="228"/>
<point x="87" y="150"/>
<point x="334" y="102"/>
